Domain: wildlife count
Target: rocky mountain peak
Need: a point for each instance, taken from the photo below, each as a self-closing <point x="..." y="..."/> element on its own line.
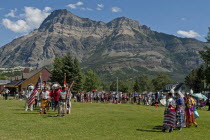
<point x="121" y="45"/>
<point x="123" y="21"/>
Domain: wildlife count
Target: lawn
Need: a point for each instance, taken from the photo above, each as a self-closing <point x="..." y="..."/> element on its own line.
<point x="94" y="121"/>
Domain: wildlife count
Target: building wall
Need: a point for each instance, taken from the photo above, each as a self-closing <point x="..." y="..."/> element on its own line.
<point x="45" y="75"/>
<point x="2" y="87"/>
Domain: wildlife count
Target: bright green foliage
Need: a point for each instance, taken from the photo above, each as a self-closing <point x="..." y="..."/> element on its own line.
<point x="92" y="81"/>
<point x="160" y="81"/>
<point x="195" y="79"/>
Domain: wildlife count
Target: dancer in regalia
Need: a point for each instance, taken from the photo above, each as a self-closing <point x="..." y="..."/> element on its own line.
<point x="169" y="122"/>
<point x="190" y="105"/>
<point x="55" y="95"/>
<point x="62" y="102"/>
<point x="68" y="102"/>
<point x="30" y="89"/>
<point x="180" y="107"/>
<point x="44" y="96"/>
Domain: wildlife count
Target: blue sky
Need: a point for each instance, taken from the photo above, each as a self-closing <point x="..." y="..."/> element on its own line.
<point x="183" y="18"/>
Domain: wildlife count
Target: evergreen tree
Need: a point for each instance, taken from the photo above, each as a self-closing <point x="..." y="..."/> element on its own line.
<point x="123" y="87"/>
<point x="160" y="81"/>
<point x="78" y="79"/>
<point x="66" y="65"/>
<point x="143" y="83"/>
<point x="68" y="68"/>
<point x="113" y="86"/>
<point x="136" y="86"/>
<point x="91" y="81"/>
<point x="105" y="86"/>
<point x="57" y="71"/>
<point x="195" y="79"/>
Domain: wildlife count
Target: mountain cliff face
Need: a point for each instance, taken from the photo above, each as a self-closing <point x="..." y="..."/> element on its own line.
<point x="120" y="45"/>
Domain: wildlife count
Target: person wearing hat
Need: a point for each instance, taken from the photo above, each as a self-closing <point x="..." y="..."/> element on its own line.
<point x="169" y="122"/>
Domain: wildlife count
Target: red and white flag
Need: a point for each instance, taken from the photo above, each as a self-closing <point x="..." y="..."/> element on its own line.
<point x="37" y="88"/>
<point x="64" y="81"/>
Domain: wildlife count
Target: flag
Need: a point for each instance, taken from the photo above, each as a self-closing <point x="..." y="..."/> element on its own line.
<point x="64" y="81"/>
<point x="36" y="89"/>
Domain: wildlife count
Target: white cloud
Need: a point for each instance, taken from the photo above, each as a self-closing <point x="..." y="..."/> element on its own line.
<point x="98" y="9"/>
<point x="11" y="13"/>
<point x="74" y="6"/>
<point x="86" y="9"/>
<point x="32" y="18"/>
<point x="116" y="9"/>
<point x="79" y="3"/>
<point x="100" y="5"/>
<point x="47" y="9"/>
<point x="19" y="26"/>
<point x="190" y="33"/>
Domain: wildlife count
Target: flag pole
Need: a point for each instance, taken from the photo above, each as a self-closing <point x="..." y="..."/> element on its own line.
<point x="64" y="82"/>
<point x="40" y="75"/>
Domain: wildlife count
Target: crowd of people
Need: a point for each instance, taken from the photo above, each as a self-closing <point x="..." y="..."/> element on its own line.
<point x="119" y="98"/>
<point x="58" y="99"/>
<point x="180" y="111"/>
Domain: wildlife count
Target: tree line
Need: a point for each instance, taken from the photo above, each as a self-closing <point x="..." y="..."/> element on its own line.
<point x="90" y="80"/>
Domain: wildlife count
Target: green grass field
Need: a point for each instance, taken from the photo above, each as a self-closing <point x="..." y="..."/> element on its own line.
<point x="95" y="122"/>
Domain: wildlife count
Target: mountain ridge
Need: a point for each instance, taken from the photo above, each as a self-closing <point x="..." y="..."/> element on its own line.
<point x="109" y="47"/>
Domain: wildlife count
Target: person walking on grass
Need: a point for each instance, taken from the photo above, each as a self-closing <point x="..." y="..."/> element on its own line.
<point x="169" y="122"/>
<point x="55" y="95"/>
<point x="190" y="107"/>
<point x="6" y="93"/>
<point x="45" y="96"/>
<point x="62" y="102"/>
<point x="180" y="107"/>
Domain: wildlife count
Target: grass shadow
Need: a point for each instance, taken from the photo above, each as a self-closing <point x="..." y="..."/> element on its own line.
<point x="154" y="129"/>
<point x="32" y="113"/>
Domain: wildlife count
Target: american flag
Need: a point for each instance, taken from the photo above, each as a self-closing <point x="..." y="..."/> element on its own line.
<point x="37" y="88"/>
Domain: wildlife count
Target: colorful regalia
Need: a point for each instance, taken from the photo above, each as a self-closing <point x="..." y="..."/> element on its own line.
<point x="30" y="89"/>
<point x="180" y="113"/>
<point x="45" y="96"/>
<point x="169" y="115"/>
<point x="62" y="103"/>
<point x="190" y="105"/>
<point x="68" y="103"/>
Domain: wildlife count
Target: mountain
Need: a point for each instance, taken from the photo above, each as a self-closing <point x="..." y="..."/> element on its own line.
<point x="121" y="47"/>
